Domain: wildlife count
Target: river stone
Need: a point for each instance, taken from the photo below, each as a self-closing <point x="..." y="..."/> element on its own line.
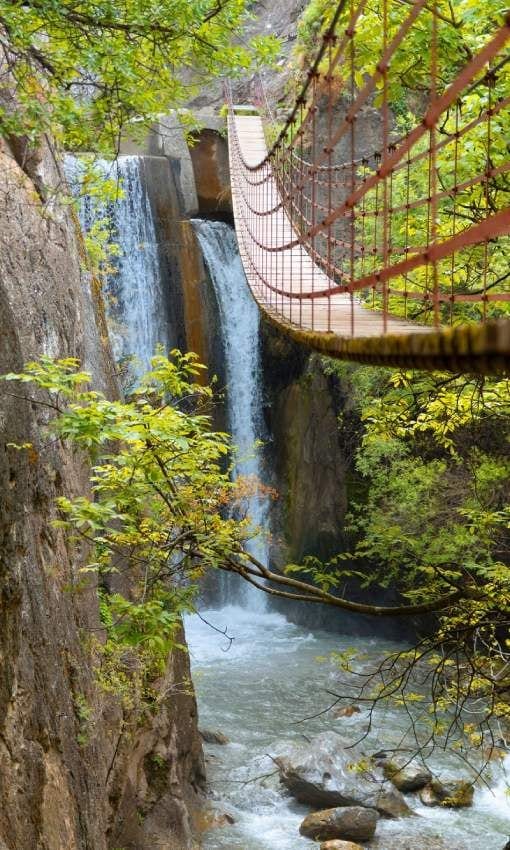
<point x="407" y="777"/>
<point x="353" y="823"/>
<point x="212" y="736"/>
<point x="347" y="711"/>
<point x="321" y="774"/>
<point x="340" y="845"/>
<point x="210" y="818"/>
<point x="450" y="794"/>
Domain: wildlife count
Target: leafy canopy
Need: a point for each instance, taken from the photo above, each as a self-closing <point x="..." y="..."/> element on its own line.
<point x="471" y="166"/>
<point x="435" y="517"/>
<point x="84" y="71"/>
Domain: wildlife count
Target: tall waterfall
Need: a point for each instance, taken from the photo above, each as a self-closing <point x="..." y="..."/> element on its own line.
<point x="135" y="301"/>
<point x="240" y="335"/>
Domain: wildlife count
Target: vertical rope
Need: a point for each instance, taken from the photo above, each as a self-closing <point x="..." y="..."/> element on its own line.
<point x="314" y="189"/>
<point x="488" y="167"/>
<point x="329" y="148"/>
<point x="454" y="211"/>
<point x="352" y="134"/>
<point x="385" y="141"/>
<point x="433" y="161"/>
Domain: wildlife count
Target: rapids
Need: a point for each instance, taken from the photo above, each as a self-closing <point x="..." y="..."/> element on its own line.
<point x="257" y="689"/>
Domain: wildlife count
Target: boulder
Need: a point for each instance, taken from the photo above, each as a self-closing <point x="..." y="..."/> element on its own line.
<point x="340" y="845"/>
<point x="352" y="823"/>
<point x="212" y="736"/>
<point x="324" y="774"/>
<point x="450" y="794"/>
<point x="407" y="777"/>
<point x="209" y="818"/>
<point x="347" y="711"/>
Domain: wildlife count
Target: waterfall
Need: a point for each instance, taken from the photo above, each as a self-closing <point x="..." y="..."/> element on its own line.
<point x="239" y="317"/>
<point x="134" y="295"/>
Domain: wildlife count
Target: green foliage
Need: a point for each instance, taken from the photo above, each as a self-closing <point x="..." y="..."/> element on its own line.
<point x="84" y="716"/>
<point x="435" y="520"/>
<point x="315" y="20"/>
<point x="157" y="514"/>
<point x="463" y="158"/>
<point x="87" y="73"/>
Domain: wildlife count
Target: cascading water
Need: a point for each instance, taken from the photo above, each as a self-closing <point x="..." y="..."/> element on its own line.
<point x="270" y="662"/>
<point x="240" y="334"/>
<point x="135" y="301"/>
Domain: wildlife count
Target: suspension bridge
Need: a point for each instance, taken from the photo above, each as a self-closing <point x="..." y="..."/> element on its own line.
<point x="367" y="233"/>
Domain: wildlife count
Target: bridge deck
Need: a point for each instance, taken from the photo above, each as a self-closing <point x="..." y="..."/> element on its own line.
<point x="294" y="269"/>
<point x="356" y="332"/>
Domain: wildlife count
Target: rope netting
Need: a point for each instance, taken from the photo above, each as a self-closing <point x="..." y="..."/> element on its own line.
<point x="383" y="203"/>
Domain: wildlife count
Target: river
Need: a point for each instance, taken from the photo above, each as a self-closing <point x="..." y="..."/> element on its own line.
<point x="256" y="690"/>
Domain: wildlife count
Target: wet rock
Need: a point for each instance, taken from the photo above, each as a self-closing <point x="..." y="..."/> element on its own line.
<point x="213" y="819"/>
<point x="347" y="711"/>
<point x="340" y="845"/>
<point x="222" y="819"/>
<point x="209" y="157"/>
<point x="323" y="774"/>
<point x="507" y="845"/>
<point x="212" y="736"/>
<point x="451" y="794"/>
<point x="407" y="777"/>
<point x="352" y="823"/>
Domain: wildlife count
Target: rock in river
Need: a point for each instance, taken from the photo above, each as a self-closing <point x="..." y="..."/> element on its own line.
<point x="324" y="774"/>
<point x="340" y="845"/>
<point x="407" y="776"/>
<point x="349" y="822"/>
<point x="211" y="736"/>
<point x="450" y="794"/>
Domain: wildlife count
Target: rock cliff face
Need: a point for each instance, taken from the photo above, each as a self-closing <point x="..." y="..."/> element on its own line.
<point x="212" y="175"/>
<point x="310" y="454"/>
<point x="76" y="771"/>
<point x="191" y="308"/>
<point x="315" y="430"/>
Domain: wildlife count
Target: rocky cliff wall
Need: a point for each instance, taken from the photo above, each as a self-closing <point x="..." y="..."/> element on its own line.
<point x="310" y="455"/>
<point x="76" y="770"/>
<point x="191" y="307"/>
<point x="315" y="430"/>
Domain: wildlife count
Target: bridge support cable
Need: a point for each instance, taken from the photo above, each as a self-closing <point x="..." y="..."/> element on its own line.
<point x="366" y="232"/>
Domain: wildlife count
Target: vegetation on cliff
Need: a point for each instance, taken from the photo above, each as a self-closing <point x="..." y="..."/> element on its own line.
<point x="86" y="73"/>
<point x="157" y="513"/>
<point x="433" y="522"/>
<point x="467" y="145"/>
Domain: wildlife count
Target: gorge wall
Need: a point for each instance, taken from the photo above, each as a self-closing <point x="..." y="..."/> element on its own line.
<point x="77" y="770"/>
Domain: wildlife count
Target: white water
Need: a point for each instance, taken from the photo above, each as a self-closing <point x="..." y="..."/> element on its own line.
<point x="257" y="690"/>
<point x="135" y="300"/>
<point x="240" y="335"/>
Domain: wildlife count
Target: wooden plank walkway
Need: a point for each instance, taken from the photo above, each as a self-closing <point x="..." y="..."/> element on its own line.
<point x="294" y="269"/>
<point x="339" y="326"/>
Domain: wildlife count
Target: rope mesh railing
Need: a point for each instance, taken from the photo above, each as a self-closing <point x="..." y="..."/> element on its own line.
<point x="364" y="219"/>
